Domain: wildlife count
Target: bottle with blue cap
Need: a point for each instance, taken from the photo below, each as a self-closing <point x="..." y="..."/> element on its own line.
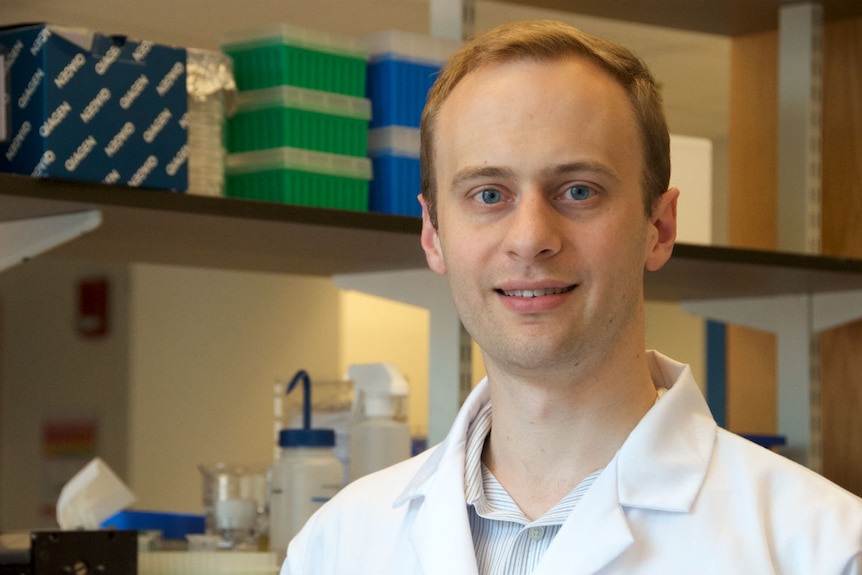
<point x="306" y="474"/>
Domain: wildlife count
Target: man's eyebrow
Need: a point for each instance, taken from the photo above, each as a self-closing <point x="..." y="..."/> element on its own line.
<point x="580" y="166"/>
<point x="480" y="172"/>
<point x="468" y="174"/>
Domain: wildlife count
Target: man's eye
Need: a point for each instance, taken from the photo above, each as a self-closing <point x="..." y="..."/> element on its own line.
<point x="490" y="196"/>
<point x="579" y="192"/>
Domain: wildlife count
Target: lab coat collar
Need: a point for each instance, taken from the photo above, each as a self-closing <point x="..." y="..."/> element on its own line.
<point x="661" y="466"/>
<point x="441" y="479"/>
<point x="598" y="524"/>
<point x="671" y="446"/>
<point x="663" y="463"/>
<point x="450" y="451"/>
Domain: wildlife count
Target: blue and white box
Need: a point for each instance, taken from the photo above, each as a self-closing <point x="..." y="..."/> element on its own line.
<point x="87" y="106"/>
<point x="395" y="184"/>
<point x="402" y="66"/>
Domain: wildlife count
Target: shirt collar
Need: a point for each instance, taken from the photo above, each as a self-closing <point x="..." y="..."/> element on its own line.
<point x="448" y="454"/>
<point x="477" y="432"/>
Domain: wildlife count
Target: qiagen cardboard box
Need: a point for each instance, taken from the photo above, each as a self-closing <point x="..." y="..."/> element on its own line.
<point x="87" y="106"/>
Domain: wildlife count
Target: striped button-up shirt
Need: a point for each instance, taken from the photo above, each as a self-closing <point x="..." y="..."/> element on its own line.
<point x="506" y="542"/>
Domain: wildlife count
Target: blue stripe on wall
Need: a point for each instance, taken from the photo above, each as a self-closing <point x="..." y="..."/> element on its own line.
<point x="716" y="370"/>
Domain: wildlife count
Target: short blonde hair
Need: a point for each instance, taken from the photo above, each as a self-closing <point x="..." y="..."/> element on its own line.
<point x="549" y="41"/>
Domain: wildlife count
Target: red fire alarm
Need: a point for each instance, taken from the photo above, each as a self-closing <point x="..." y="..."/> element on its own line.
<point x="93" y="307"/>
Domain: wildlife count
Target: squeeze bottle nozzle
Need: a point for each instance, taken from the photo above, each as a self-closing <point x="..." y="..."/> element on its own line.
<point x="379" y="388"/>
<point x="305" y="436"/>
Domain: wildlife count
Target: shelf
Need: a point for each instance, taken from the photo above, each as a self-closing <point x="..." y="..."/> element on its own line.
<point x="160" y="227"/>
<point x="723" y="17"/>
<point x="710" y="272"/>
<point x="153" y="226"/>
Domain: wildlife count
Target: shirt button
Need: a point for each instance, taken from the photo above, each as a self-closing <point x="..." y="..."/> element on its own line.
<point x="536" y="533"/>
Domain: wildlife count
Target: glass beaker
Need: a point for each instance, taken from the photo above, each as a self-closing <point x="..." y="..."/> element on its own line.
<point x="228" y="487"/>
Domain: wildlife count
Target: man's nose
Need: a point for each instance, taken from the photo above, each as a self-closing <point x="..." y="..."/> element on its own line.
<point x="534" y="230"/>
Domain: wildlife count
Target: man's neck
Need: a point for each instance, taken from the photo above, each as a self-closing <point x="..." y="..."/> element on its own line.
<point x="547" y="436"/>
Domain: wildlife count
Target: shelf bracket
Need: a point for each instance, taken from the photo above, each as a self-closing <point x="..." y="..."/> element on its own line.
<point x="21" y="240"/>
<point x="453" y="19"/>
<point x="796" y="320"/>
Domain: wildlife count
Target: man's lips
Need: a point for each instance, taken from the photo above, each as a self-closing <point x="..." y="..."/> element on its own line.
<point x="536" y="292"/>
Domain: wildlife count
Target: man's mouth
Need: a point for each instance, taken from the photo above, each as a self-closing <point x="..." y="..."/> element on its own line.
<point x="527" y="293"/>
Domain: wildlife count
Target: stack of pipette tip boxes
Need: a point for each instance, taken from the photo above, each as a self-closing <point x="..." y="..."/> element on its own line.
<point x="300" y="131"/>
<point x="401" y="69"/>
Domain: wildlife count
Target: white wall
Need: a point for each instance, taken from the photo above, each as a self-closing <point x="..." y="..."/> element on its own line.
<point x="377" y="330"/>
<point x="691" y="172"/>
<point x="50" y="373"/>
<point x="206" y="348"/>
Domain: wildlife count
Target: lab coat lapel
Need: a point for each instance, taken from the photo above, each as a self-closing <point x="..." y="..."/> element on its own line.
<point x="440" y="533"/>
<point x="661" y="466"/>
<point x="595" y="534"/>
<point x="439" y="529"/>
<point x="671" y="446"/>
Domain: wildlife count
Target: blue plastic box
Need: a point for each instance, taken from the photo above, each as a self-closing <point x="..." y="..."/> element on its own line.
<point x="394" y="152"/>
<point x="172" y="525"/>
<point x="401" y="69"/>
<point x="86" y="106"/>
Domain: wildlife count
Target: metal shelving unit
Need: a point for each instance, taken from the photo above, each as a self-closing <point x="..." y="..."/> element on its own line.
<point x="152" y="226"/>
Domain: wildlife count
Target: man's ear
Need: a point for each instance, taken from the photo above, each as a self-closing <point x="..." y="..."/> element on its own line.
<point x="430" y="241"/>
<point x="662" y="231"/>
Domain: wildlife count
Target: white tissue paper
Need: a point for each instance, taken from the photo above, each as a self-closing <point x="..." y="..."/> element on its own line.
<point x="94" y="494"/>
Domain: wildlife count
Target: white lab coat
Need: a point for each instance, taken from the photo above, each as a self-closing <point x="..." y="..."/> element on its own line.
<point x="681" y="497"/>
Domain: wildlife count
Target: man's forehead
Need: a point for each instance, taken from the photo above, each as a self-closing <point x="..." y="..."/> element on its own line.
<point x="573" y="66"/>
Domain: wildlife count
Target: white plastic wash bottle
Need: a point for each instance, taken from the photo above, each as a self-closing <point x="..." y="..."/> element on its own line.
<point x="379" y="433"/>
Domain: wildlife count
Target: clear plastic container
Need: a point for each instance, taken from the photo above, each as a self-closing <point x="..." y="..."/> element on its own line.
<point x="379" y="434"/>
<point x="211" y="90"/>
<point x="377" y="442"/>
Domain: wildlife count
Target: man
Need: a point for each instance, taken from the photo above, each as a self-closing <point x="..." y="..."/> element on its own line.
<point x="545" y="197"/>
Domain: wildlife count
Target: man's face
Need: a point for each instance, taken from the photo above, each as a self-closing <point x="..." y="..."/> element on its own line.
<point x="541" y="226"/>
